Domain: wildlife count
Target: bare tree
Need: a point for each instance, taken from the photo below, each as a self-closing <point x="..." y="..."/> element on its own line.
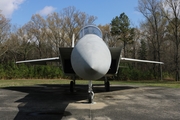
<point x="25" y="40"/>
<point x="73" y="20"/>
<point x="4" y="33"/>
<point x="136" y="41"/>
<point x="172" y="14"/>
<point x="154" y="25"/>
<point x="55" y="31"/>
<point x="62" y="26"/>
<point x="38" y="28"/>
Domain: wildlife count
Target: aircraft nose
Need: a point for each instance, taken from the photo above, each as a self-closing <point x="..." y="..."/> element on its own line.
<point x="91" y="66"/>
<point x="91" y="58"/>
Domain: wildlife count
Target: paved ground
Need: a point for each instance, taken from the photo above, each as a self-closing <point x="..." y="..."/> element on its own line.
<point x="55" y="102"/>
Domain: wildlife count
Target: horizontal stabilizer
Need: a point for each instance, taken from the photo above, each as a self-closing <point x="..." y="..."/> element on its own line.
<point x="40" y="61"/>
<point x="137" y="60"/>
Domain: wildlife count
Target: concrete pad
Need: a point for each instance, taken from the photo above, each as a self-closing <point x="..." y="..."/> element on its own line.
<point x="55" y="102"/>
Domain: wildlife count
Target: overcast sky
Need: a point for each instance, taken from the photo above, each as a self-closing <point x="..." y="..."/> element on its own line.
<point x="21" y="11"/>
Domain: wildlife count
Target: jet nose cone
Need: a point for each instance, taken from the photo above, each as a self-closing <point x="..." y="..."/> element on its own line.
<point x="91" y="67"/>
<point x="91" y="58"/>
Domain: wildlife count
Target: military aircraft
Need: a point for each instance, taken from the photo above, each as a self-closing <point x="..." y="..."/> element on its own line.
<point x="90" y="59"/>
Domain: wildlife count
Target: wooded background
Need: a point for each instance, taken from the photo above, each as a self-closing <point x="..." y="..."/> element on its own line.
<point x="156" y="38"/>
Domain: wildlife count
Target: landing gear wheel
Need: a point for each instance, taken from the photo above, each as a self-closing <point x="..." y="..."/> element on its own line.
<point x="107" y="86"/>
<point x="72" y="86"/>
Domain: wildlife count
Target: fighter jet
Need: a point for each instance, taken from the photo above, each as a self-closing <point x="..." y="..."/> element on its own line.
<point x="90" y="59"/>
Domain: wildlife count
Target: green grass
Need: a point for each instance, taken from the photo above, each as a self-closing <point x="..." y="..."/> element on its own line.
<point x="30" y="82"/>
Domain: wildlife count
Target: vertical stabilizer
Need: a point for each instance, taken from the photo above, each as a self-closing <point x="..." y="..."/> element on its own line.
<point x="73" y="40"/>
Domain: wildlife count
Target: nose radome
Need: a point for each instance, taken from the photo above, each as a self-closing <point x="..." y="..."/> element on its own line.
<point x="91" y="58"/>
<point x="91" y="66"/>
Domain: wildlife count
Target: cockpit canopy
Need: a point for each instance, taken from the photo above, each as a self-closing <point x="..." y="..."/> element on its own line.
<point x="90" y="29"/>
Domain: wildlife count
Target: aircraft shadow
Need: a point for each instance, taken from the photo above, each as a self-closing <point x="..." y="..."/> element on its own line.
<point x="49" y="101"/>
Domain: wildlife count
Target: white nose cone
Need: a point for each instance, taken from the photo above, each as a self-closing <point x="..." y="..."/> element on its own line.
<point x="91" y="58"/>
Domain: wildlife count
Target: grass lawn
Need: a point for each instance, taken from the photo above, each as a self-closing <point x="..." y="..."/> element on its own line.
<point x="30" y="82"/>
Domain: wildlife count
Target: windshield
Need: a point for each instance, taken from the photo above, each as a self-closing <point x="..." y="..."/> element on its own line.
<point x="90" y="29"/>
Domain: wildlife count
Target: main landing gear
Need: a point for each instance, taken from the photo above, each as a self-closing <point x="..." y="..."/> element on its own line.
<point x="72" y="84"/>
<point x="107" y="84"/>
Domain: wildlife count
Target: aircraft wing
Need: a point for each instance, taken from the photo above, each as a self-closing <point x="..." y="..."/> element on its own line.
<point x="40" y="61"/>
<point x="64" y="59"/>
<point x="137" y="60"/>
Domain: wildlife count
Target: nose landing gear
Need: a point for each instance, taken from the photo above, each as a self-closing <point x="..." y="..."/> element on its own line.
<point x="90" y="92"/>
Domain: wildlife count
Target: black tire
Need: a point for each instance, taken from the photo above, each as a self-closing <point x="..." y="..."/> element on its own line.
<point x="72" y="86"/>
<point x="107" y="86"/>
<point x="90" y="99"/>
